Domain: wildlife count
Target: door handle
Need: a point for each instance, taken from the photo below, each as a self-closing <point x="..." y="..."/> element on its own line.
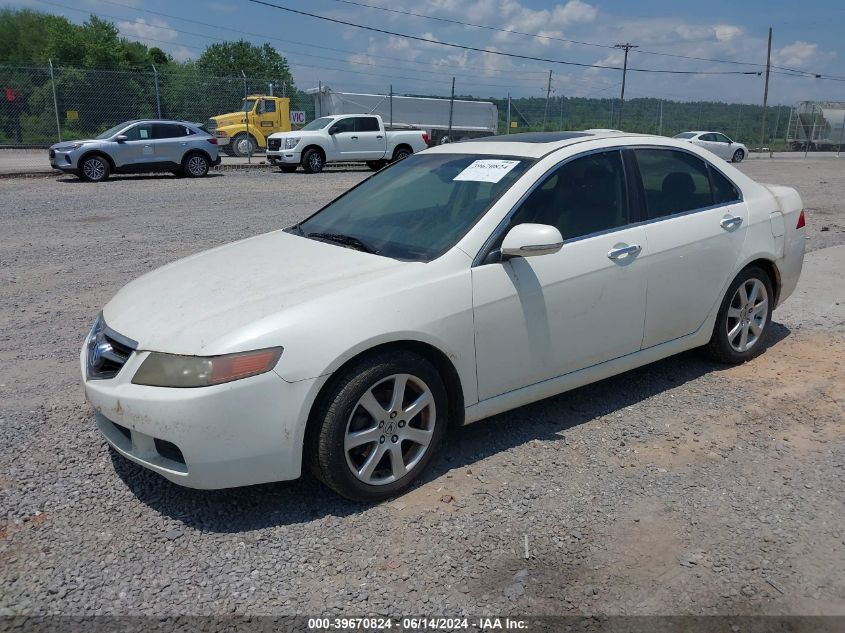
<point x="354" y="138"/>
<point x="623" y="251"/>
<point x="379" y="136"/>
<point x="730" y="222"/>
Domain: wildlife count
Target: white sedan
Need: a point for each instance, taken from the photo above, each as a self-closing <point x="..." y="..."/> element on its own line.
<point x="461" y="282"/>
<point x="717" y="143"/>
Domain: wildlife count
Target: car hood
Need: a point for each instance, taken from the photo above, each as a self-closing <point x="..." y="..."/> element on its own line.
<point x="68" y="143"/>
<point x="201" y="304"/>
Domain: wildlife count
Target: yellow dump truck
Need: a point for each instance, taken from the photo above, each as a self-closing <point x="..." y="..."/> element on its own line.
<point x="243" y="132"/>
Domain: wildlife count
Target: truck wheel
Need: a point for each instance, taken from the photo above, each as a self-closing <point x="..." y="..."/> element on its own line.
<point x="287" y="169"/>
<point x="400" y="153"/>
<point x="243" y="144"/>
<point x="375" y="165"/>
<point x="312" y="161"/>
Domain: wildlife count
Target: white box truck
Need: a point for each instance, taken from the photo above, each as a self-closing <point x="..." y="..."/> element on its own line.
<point x="469" y="119"/>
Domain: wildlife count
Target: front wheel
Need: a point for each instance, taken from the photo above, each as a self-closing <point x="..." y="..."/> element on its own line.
<point x="378" y="426"/>
<point x="743" y="319"/>
<point x="94" y="169"/>
<point x="738" y="156"/>
<point x="243" y="145"/>
<point x="312" y="161"/>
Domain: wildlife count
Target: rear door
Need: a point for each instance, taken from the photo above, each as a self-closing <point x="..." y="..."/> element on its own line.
<point x="724" y="146"/>
<point x="170" y="141"/>
<point x="137" y="149"/>
<point x="371" y="139"/>
<point x="695" y="227"/>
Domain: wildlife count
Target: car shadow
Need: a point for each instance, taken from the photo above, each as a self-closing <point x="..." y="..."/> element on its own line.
<point x="74" y="180"/>
<point x="305" y="499"/>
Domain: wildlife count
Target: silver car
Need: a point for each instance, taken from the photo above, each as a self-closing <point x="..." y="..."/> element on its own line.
<point x="717" y="143"/>
<point x="135" y="146"/>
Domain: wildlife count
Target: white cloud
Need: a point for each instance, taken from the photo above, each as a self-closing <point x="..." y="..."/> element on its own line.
<point x="155" y="29"/>
<point x="800" y="54"/>
<point x="726" y="32"/>
<point x="181" y="54"/>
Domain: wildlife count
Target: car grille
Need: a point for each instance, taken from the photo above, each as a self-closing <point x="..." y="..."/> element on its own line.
<point x="274" y="144"/>
<point x="108" y="351"/>
<point x="52" y="153"/>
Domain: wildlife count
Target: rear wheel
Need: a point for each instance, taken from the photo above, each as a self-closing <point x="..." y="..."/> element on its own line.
<point x="738" y="156"/>
<point x="378" y="426"/>
<point x="288" y="169"/>
<point x="195" y="165"/>
<point x="94" y="169"/>
<point x="312" y="161"/>
<point x="400" y="153"/>
<point x="744" y="317"/>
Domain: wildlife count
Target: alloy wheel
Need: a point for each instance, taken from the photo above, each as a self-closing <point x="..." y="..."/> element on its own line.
<point x="94" y="169"/>
<point x="197" y="165"/>
<point x="315" y="162"/>
<point x="390" y="429"/>
<point x="747" y="315"/>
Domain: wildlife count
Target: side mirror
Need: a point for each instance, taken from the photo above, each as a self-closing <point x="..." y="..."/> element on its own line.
<point x="531" y="240"/>
<point x="333" y="130"/>
<point x="121" y="138"/>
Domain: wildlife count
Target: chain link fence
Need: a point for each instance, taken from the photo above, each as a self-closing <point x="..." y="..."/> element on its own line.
<point x="45" y="104"/>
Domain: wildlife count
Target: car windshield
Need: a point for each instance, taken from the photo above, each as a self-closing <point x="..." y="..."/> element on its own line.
<point x="110" y="132"/>
<point x="318" y="124"/>
<point x="248" y="105"/>
<point x="684" y="135"/>
<point x="418" y="208"/>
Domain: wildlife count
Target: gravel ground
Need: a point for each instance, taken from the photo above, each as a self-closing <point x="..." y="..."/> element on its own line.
<point x="683" y="487"/>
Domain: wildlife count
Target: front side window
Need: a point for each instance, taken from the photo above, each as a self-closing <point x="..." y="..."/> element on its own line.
<point x="269" y="105"/>
<point x="583" y="196"/>
<point x="344" y="125"/>
<point x="420" y="207"/>
<point x="248" y="105"/>
<point x="142" y="132"/>
<point x="673" y="182"/>
<point x="366" y="124"/>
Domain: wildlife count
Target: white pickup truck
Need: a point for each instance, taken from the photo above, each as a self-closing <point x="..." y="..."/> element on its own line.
<point x="343" y="138"/>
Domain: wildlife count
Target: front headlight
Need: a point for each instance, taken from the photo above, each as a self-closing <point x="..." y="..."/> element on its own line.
<point x="290" y="143"/>
<point x="173" y="370"/>
<point x="67" y="148"/>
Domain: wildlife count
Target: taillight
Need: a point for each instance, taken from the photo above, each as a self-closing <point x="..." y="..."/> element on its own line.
<point x="212" y="140"/>
<point x="801" y="221"/>
<point x="425" y="138"/>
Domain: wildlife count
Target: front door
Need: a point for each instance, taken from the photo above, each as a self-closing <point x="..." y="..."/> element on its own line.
<point x="695" y="231"/>
<point x="344" y="141"/>
<point x="541" y="317"/>
<point x="138" y="147"/>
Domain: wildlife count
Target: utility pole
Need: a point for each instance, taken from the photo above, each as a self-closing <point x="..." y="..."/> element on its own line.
<point x="766" y="92"/>
<point x="451" y="110"/>
<point x="548" y="94"/>
<point x="660" y="125"/>
<point x="627" y="46"/>
<point x="509" y="114"/>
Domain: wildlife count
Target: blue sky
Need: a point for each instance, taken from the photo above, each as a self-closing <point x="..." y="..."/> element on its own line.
<point x="808" y="38"/>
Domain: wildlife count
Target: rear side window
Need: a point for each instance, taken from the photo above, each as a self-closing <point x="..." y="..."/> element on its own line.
<point x="673" y="181"/>
<point x="724" y="191"/>
<point x="583" y="196"/>
<point x="366" y="124"/>
<point x="168" y="130"/>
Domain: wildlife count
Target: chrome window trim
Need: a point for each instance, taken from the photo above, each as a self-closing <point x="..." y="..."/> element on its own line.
<point x="485" y="251"/>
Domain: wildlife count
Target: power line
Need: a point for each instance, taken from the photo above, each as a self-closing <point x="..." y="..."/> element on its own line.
<point x="501" y="53"/>
<point x="560" y="39"/>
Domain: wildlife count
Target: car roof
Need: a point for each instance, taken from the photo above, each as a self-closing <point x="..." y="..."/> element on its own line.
<point x="532" y="144"/>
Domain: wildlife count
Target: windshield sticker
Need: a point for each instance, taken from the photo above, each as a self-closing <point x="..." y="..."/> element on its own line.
<point x="487" y="170"/>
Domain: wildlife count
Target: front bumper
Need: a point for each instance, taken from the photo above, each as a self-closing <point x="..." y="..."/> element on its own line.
<point x="284" y="157"/>
<point x="66" y="161"/>
<point x="244" y="432"/>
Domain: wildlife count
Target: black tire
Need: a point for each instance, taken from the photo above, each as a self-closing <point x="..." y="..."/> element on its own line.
<point x="401" y="153"/>
<point x="313" y="161"/>
<point x="195" y="165"/>
<point x="375" y="165"/>
<point x="240" y="138"/>
<point x="94" y="168"/>
<point x="738" y="156"/>
<point x="333" y="413"/>
<point x="720" y="348"/>
<point x="288" y="169"/>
